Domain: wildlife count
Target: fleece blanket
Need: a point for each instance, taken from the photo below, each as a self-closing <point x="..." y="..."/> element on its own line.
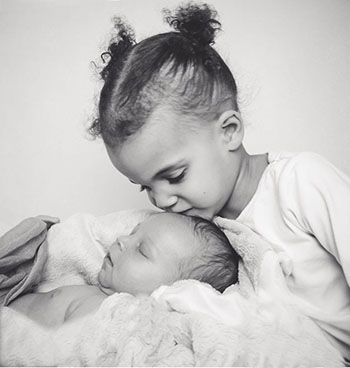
<point x="23" y="254"/>
<point x="254" y="323"/>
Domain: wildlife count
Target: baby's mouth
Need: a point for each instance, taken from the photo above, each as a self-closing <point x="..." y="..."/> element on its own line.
<point x="109" y="259"/>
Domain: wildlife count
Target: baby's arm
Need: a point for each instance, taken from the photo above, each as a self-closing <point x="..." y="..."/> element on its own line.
<point x="59" y="305"/>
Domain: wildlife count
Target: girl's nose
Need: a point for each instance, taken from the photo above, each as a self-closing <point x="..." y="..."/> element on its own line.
<point x="164" y="201"/>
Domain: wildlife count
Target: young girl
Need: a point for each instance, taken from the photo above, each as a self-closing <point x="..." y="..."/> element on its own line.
<point x="170" y="121"/>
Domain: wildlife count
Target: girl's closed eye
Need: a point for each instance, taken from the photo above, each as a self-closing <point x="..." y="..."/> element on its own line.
<point x="171" y="179"/>
<point x="178" y="178"/>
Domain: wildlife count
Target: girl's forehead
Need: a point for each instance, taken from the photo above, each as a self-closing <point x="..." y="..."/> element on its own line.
<point x="158" y="144"/>
<point x="150" y="149"/>
<point x="161" y="128"/>
<point x="166" y="118"/>
<point x="165" y="129"/>
<point x="166" y="140"/>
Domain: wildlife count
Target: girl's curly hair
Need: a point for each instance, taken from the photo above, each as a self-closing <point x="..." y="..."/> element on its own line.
<point x="195" y="22"/>
<point x="179" y="69"/>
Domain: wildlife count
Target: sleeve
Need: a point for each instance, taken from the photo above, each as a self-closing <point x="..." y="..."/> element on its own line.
<point x="319" y="198"/>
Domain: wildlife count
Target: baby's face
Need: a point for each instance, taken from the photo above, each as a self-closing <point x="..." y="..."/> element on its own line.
<point x="149" y="257"/>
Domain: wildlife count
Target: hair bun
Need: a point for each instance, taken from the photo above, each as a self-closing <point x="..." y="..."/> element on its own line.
<point x="196" y="22"/>
<point x="120" y="44"/>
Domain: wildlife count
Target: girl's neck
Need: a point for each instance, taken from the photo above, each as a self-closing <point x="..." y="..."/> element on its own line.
<point x="252" y="169"/>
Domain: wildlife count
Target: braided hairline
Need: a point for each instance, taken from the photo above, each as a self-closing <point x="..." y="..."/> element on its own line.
<point x="187" y="94"/>
<point x="177" y="69"/>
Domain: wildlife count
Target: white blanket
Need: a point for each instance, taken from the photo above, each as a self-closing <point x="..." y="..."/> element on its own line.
<point x="255" y="323"/>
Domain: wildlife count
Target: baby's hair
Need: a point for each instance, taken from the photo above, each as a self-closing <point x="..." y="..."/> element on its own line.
<point x="179" y="70"/>
<point x="217" y="262"/>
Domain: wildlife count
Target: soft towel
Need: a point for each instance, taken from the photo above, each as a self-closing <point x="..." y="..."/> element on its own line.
<point x="130" y="331"/>
<point x="23" y="254"/>
<point x="77" y="246"/>
<point x="263" y="328"/>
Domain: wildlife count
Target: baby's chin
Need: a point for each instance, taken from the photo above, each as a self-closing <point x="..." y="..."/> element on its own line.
<point x="103" y="282"/>
<point x="107" y="290"/>
<point x="102" y="278"/>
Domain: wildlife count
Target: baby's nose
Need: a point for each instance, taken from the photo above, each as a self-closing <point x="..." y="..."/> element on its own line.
<point x="121" y="242"/>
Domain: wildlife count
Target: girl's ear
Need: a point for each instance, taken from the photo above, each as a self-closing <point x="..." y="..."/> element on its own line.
<point x="231" y="129"/>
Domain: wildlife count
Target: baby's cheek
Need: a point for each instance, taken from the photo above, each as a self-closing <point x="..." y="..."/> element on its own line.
<point x="131" y="280"/>
<point x="100" y="276"/>
<point x="104" y="278"/>
<point x="119" y="274"/>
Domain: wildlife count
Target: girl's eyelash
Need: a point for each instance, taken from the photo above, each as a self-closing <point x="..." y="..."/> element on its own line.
<point x="178" y="178"/>
<point x="174" y="180"/>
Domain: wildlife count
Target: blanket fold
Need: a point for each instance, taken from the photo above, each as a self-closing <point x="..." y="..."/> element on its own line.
<point x="23" y="253"/>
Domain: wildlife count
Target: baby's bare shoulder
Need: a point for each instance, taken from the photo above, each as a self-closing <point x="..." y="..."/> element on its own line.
<point x="55" y="307"/>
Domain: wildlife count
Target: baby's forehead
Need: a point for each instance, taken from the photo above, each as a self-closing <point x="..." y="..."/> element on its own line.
<point x="171" y="235"/>
<point x="164" y="226"/>
<point x="170" y="221"/>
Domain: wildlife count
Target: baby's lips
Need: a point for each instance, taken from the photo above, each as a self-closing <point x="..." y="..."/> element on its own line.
<point x="107" y="260"/>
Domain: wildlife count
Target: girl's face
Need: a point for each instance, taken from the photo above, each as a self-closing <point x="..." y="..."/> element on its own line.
<point x="185" y="168"/>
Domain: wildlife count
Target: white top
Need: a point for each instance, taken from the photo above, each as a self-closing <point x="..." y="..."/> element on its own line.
<point x="302" y="206"/>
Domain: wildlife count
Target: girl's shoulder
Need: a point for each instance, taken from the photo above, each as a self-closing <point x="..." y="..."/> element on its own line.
<point x="292" y="172"/>
<point x="294" y="158"/>
<point x="298" y="163"/>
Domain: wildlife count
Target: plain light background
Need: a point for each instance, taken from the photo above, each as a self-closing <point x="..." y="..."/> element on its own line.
<point x="291" y="60"/>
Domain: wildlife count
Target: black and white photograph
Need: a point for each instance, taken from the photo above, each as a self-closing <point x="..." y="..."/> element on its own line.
<point x="175" y="183"/>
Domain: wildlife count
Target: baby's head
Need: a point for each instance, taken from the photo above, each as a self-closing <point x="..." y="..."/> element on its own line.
<point x="165" y="248"/>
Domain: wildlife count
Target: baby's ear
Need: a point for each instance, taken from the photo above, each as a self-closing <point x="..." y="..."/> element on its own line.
<point x="231" y="129"/>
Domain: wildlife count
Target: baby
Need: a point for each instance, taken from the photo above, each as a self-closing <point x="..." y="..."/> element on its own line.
<point x="164" y="248"/>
